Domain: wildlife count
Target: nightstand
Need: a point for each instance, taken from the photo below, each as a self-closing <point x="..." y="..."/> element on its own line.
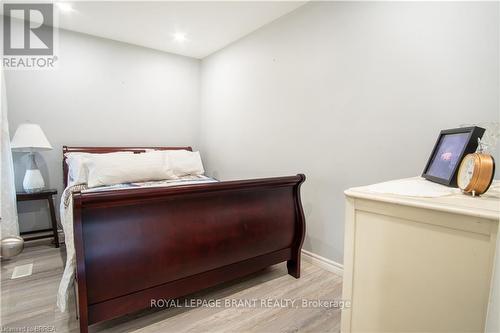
<point x="46" y="194"/>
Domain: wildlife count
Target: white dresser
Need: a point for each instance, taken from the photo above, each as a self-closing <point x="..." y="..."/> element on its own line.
<point x="420" y="264"/>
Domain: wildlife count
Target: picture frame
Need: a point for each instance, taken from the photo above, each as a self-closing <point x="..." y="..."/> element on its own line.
<point x="450" y="148"/>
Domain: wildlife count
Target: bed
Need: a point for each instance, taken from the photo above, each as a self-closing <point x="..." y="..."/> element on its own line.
<point x="136" y="245"/>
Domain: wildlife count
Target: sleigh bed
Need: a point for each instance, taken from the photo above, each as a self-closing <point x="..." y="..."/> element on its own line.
<point x="137" y="245"/>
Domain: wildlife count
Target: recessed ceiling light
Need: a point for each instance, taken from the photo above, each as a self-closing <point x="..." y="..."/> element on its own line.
<point x="64" y="7"/>
<point x="179" y="37"/>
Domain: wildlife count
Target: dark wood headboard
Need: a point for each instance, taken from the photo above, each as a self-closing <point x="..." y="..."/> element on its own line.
<point x="103" y="150"/>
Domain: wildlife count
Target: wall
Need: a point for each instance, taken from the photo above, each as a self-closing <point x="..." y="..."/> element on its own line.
<point x="349" y="94"/>
<point x="102" y="93"/>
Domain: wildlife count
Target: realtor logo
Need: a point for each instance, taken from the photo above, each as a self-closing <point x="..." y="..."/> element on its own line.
<point x="31" y="35"/>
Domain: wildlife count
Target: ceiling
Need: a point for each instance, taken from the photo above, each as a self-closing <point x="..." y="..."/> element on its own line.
<point x="207" y="26"/>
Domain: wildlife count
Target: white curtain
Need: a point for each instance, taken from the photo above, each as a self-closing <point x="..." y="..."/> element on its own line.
<point x="8" y="208"/>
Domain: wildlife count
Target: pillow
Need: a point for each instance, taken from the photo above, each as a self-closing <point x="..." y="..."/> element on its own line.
<point x="184" y="162"/>
<point x="118" y="169"/>
<point x="78" y="172"/>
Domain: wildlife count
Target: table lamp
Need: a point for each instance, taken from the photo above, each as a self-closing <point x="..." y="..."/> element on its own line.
<point x="29" y="138"/>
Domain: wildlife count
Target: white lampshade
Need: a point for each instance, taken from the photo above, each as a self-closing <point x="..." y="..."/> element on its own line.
<point x="29" y="138"/>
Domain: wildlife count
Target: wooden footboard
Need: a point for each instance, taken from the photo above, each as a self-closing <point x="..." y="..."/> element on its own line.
<point x="133" y="246"/>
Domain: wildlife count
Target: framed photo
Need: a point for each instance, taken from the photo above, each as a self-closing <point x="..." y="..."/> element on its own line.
<point x="450" y="148"/>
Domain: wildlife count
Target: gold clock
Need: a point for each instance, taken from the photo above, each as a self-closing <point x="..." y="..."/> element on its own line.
<point x="476" y="173"/>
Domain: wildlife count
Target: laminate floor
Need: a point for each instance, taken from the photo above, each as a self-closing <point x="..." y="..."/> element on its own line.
<point x="261" y="302"/>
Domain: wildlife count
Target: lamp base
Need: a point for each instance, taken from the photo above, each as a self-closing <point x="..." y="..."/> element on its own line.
<point x="33" y="180"/>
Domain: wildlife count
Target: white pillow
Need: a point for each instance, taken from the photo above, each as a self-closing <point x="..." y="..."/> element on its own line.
<point x="118" y="169"/>
<point x="78" y="172"/>
<point x="184" y="162"/>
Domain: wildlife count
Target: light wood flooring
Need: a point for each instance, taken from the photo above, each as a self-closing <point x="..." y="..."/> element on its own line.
<point x="31" y="301"/>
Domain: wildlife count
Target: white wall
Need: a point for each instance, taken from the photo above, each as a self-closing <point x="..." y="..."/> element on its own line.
<point x="349" y="94"/>
<point x="102" y="93"/>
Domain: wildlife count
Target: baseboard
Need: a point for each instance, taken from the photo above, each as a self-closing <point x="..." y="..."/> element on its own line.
<point x="322" y="262"/>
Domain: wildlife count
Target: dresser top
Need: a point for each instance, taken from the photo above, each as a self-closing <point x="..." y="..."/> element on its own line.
<point x="485" y="206"/>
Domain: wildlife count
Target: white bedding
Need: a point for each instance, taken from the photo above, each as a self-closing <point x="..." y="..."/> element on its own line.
<point x="66" y="211"/>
